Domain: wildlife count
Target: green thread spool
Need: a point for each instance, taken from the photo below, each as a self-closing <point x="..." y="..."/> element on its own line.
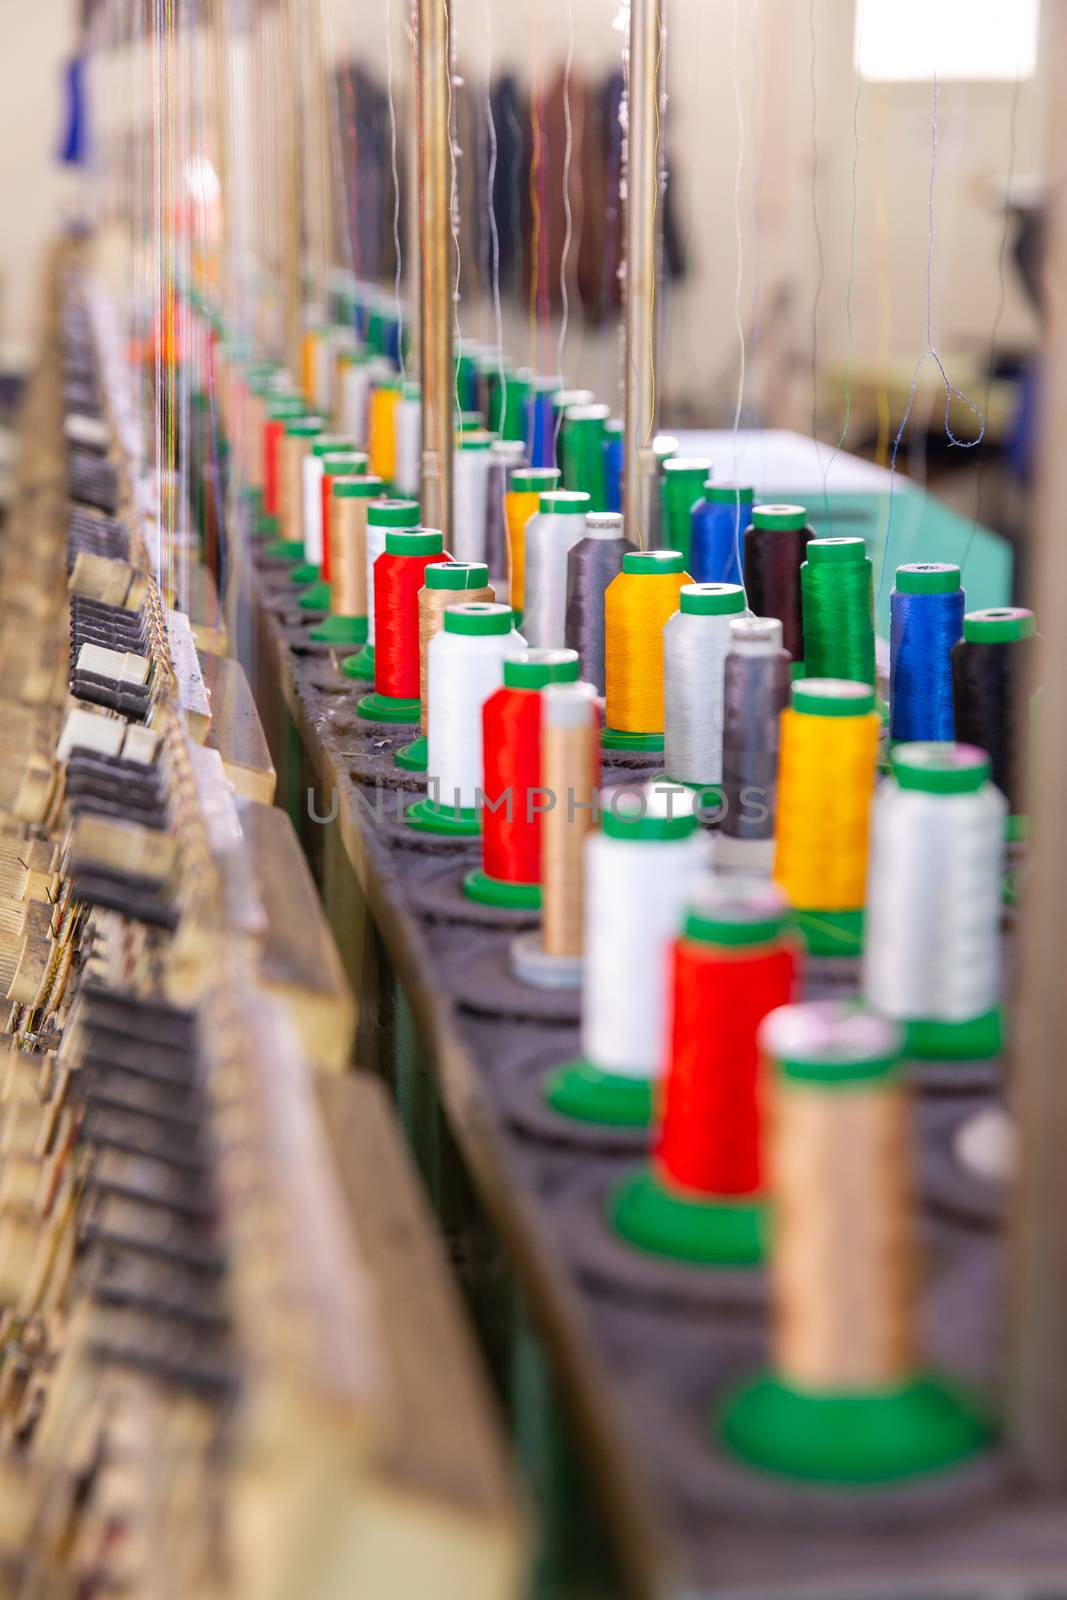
<point x="681" y="486"/>
<point x="582" y="453"/>
<point x="838" y="606"/>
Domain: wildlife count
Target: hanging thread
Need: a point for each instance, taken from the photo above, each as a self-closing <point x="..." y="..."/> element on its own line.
<point x="525" y="489"/>
<point x="471" y="490"/>
<point x="829" y="753"/>
<point x="925" y="621"/>
<point x="637" y="607"/>
<point x="550" y="535"/>
<point x="447" y="583"/>
<point x="701" y="1200"/>
<point x="639" y="872"/>
<point x="695" y="643"/>
<point x="505" y="457"/>
<point x="681" y="489"/>
<point x="990" y="666"/>
<point x="932" y="959"/>
<point x="756" y="678"/>
<point x="510" y="874"/>
<point x="718" y="522"/>
<point x="775" y="548"/>
<point x="837" y="598"/>
<point x="592" y="564"/>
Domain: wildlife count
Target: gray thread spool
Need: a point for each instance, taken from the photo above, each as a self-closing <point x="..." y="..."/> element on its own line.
<point x="504" y="456"/>
<point x="755" y="692"/>
<point x="592" y="564"/>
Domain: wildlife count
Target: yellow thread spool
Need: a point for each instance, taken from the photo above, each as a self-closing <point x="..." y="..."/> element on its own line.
<point x="638" y="604"/>
<point x="522" y="501"/>
<point x="309" y="364"/>
<point x="384" y="399"/>
<point x="826" y="774"/>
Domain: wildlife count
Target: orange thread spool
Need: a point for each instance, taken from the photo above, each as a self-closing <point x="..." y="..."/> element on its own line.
<point x="638" y="604"/>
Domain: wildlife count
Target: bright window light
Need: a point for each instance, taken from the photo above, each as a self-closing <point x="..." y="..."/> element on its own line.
<point x="902" y="40"/>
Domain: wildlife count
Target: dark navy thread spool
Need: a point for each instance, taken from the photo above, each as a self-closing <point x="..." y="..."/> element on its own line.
<point x="717" y="537"/>
<point x="591" y="565"/>
<point x="990" y="666"/>
<point x="926" y="620"/>
<point x="613" y="452"/>
<point x="776" y="545"/>
<point x="540" y="428"/>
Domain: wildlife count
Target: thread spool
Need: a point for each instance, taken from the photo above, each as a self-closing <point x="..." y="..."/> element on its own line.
<point x="837" y="600"/>
<point x="550" y="535"/>
<point x="637" y="607"/>
<point x="540" y="417"/>
<point x="640" y="868"/>
<point x="344" y="351"/>
<point x="505" y="457"/>
<point x="775" y="546"/>
<point x="582" y="446"/>
<point x="293" y="446"/>
<point x="447" y="583"/>
<point x="262" y="391"/>
<point x="510" y="874"/>
<point x="562" y="401"/>
<point x="932" y="960"/>
<point x="355" y="396"/>
<point x="279" y="410"/>
<point x="570" y="771"/>
<point x="592" y="564"/>
<point x="381" y="516"/>
<point x="470" y="422"/>
<point x="312" y="474"/>
<point x="681" y="488"/>
<point x="465" y="664"/>
<point x="525" y="489"/>
<point x="614" y="452"/>
<point x="309" y="364"/>
<point x="756" y="679"/>
<point x="467" y="376"/>
<point x="701" y="1199"/>
<point x="409" y="440"/>
<point x="846" y="1399"/>
<point x="664" y="448"/>
<point x="829" y="754"/>
<point x="925" y="621"/>
<point x="398" y="577"/>
<point x="381" y="426"/>
<point x="695" y="642"/>
<point x="335" y="464"/>
<point x="990" y="665"/>
<point x="718" y="523"/>
<point x="470" y="466"/>
<point x="350" y="501"/>
<point x="507" y="405"/>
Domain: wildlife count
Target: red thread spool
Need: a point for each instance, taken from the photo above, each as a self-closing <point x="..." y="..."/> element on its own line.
<point x="397" y="580"/>
<point x="510" y="874"/>
<point x="701" y="1201"/>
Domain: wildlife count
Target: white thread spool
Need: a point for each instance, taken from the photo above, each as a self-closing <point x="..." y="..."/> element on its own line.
<point x="409" y="440"/>
<point x="551" y="534"/>
<point x="465" y="665"/>
<point x="355" y="397"/>
<point x="932" y="947"/>
<point x="639" y="871"/>
<point x="381" y="516"/>
<point x="312" y="472"/>
<point x="695" y="644"/>
<point x="470" y="488"/>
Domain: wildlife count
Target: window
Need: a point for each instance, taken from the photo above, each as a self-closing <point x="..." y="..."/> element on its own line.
<point x="901" y="40"/>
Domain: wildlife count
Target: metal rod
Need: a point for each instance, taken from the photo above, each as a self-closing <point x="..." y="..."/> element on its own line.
<point x="433" y="96"/>
<point x="642" y="260"/>
<point x="1037" y="1364"/>
<point x="292" y="215"/>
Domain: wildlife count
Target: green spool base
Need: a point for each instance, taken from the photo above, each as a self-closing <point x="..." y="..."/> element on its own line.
<point x="705" y="1232"/>
<point x="709" y="795"/>
<point x="1017" y="829"/>
<point x="284" y="550"/>
<point x="853" y="1438"/>
<point x="431" y="817"/>
<point x="615" y="739"/>
<point x="587" y="1094"/>
<point x="413" y="757"/>
<point x="361" y="665"/>
<point x="304" y="573"/>
<point x="387" y="708"/>
<point x="974" y="1040"/>
<point x="478" y="885"/>
<point x="340" y="630"/>
<point x="831" y="933"/>
<point x="316" y="598"/>
<point x="266" y="526"/>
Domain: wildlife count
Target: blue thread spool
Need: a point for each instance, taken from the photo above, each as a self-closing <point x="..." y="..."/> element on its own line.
<point x="718" y="523"/>
<point x="613" y="463"/>
<point x="540" y="424"/>
<point x="926" y="619"/>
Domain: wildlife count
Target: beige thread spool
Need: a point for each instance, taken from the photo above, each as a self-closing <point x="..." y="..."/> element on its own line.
<point x="839" y="1170"/>
<point x="570" y="773"/>
<point x="349" y="499"/>
<point x="293" y="446"/>
<point x="447" y="583"/>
